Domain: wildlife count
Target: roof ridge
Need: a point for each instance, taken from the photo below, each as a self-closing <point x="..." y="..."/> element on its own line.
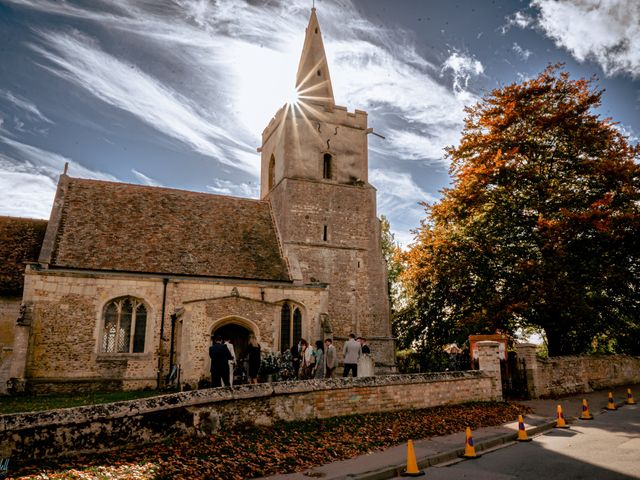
<point x="163" y="188"/>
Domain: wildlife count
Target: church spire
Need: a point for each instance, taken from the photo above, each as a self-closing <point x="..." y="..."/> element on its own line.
<point x="313" y="82"/>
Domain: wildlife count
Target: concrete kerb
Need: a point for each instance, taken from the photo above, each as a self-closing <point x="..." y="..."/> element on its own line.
<point x="447" y="456"/>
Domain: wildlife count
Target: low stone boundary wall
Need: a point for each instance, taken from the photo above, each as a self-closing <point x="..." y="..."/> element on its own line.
<point x="29" y="436"/>
<point x="557" y="376"/>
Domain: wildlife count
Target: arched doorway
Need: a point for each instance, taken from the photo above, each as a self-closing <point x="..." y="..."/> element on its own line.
<point x="238" y="335"/>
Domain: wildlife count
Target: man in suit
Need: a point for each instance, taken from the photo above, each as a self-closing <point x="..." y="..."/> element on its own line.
<point x="351" y="353"/>
<point x="220" y="356"/>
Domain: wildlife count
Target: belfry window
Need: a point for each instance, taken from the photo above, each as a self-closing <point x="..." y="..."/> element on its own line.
<point x="326" y="166"/>
<point x="125" y="326"/>
<point x="290" y="325"/>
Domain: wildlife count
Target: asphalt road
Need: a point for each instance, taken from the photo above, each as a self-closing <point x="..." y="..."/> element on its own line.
<point x="606" y="448"/>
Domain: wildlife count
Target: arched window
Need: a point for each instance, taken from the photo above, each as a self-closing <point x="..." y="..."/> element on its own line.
<point x="285" y="326"/>
<point x="125" y="326"/>
<point x="272" y="172"/>
<point x="326" y="166"/>
<point x="290" y="325"/>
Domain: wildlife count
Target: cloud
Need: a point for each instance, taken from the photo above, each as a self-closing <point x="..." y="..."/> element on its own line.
<point x="628" y="132"/>
<point x="248" y="53"/>
<point x="24" y="104"/>
<point x="399" y="199"/>
<point x="523" y="53"/>
<point x="604" y="31"/>
<point x="46" y="163"/>
<point x="463" y="67"/>
<point x="81" y="61"/>
<point x="25" y="194"/>
<point x="227" y="187"/>
<point x="427" y="146"/>
<point x="518" y="19"/>
<point x="145" y="180"/>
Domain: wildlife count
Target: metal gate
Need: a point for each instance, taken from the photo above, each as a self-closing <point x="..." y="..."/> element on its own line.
<point x="513" y="372"/>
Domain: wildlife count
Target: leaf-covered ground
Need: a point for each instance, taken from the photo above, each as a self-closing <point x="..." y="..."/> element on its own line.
<point x="250" y="452"/>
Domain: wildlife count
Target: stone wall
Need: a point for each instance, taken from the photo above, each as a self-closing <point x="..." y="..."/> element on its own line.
<point x="94" y="428"/>
<point x="9" y="311"/>
<point x="576" y="374"/>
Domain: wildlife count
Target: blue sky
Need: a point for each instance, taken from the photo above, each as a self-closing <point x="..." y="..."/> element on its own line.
<point x="176" y="93"/>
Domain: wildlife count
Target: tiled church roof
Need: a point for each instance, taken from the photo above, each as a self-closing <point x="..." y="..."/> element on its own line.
<point x="20" y="241"/>
<point x="99" y="225"/>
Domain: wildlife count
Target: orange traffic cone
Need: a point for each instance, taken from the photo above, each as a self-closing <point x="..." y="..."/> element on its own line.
<point x="585" y="411"/>
<point x="611" y="405"/>
<point x="522" y="433"/>
<point x="469" y="448"/>
<point x="630" y="400"/>
<point x="560" y="423"/>
<point x="412" y="465"/>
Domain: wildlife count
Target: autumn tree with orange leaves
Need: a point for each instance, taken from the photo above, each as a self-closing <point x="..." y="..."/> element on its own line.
<point x="540" y="228"/>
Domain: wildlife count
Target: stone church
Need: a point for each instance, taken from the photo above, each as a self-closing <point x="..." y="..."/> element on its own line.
<point x="126" y="283"/>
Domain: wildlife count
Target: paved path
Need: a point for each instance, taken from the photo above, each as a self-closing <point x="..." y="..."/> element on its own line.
<point x="606" y="448"/>
<point x="387" y="463"/>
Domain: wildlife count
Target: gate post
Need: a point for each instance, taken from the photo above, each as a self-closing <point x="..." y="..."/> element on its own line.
<point x="489" y="362"/>
<point x="527" y="352"/>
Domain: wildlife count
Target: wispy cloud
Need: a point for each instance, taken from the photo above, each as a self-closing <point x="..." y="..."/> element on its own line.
<point x="227" y="187"/>
<point x="80" y="60"/>
<point x="24" y="105"/>
<point x="144" y="179"/>
<point x="523" y="53"/>
<point x="518" y="19"/>
<point x="400" y="199"/>
<point x="43" y="162"/>
<point x="463" y="67"/>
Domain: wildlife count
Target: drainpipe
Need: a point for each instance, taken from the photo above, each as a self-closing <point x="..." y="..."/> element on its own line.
<point x="165" y="281"/>
<point x="174" y="317"/>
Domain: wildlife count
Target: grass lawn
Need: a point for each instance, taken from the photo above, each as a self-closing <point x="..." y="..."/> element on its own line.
<point x="34" y="403"/>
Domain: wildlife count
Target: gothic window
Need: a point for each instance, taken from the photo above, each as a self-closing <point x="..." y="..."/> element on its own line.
<point x="125" y="326"/>
<point x="290" y="325"/>
<point x="285" y="326"/>
<point x="272" y="172"/>
<point x="326" y="166"/>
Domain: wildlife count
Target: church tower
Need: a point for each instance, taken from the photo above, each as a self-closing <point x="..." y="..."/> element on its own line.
<point x="314" y="173"/>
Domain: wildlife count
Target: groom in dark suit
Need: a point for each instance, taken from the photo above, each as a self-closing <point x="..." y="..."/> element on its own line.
<point x="220" y="356"/>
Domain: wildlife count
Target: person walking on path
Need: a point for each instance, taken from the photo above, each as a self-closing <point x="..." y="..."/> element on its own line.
<point x="318" y="370"/>
<point x="253" y="355"/>
<point x="232" y="362"/>
<point x="330" y="358"/>
<point x="350" y="353"/>
<point x="220" y="356"/>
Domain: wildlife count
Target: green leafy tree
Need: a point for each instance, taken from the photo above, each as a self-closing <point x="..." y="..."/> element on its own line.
<point x="540" y="228"/>
<point x="392" y="254"/>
